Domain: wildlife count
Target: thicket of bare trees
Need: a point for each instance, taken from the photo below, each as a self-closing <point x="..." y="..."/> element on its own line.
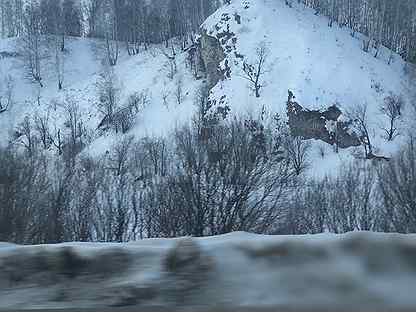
<point x="208" y="178"/>
<point x="32" y="41"/>
<point x="135" y="24"/>
<point x="11" y="18"/>
<point x="363" y="196"/>
<point x="384" y="22"/>
<point x="398" y="191"/>
<point x="138" y="22"/>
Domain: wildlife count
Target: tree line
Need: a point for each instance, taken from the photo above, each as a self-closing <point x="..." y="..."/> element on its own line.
<point x="43" y="26"/>
<point x="138" y="22"/>
<point x="130" y="21"/>
<point x="384" y="23"/>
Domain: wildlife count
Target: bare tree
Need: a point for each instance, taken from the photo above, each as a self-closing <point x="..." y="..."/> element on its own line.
<point x="59" y="64"/>
<point x="171" y="62"/>
<point x="59" y="199"/>
<point x="111" y="34"/>
<point x="116" y="192"/>
<point x="41" y="124"/>
<point x="23" y="191"/>
<point x="75" y="134"/>
<point x="91" y="11"/>
<point x="27" y="136"/>
<point x="11" y="18"/>
<point x="179" y="93"/>
<point x="109" y="97"/>
<point x="351" y="199"/>
<point x="308" y="209"/>
<point x="157" y="152"/>
<point x="254" y="72"/>
<point x="397" y="180"/>
<point x="6" y="93"/>
<point x="297" y="151"/>
<point x="57" y="141"/>
<point x="135" y="16"/>
<point x="165" y="97"/>
<point x="3" y="12"/>
<point x="359" y="115"/>
<point x="32" y="41"/>
<point x="392" y="108"/>
<point x="71" y="24"/>
<point x="139" y="100"/>
<point x="223" y="183"/>
<point x="86" y="184"/>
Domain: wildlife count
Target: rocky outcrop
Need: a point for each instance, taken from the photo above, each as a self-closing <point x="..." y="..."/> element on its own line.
<point x="328" y="126"/>
<point x="218" y="48"/>
<point x="218" y="52"/>
<point x="212" y="55"/>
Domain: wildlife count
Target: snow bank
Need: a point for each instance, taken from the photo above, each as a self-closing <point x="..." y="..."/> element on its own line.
<point x="364" y="270"/>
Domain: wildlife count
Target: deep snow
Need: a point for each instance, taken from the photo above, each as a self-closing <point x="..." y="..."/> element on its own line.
<point x="356" y="270"/>
<point x="321" y="65"/>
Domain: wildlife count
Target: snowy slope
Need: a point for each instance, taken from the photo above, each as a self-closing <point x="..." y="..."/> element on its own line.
<point x="146" y="72"/>
<point x="357" y="270"/>
<point x="80" y="68"/>
<point x="321" y="65"/>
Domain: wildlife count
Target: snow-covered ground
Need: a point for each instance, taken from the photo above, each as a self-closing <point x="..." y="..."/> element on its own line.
<point x="321" y="65"/>
<point x="356" y="270"/>
<point x="145" y="73"/>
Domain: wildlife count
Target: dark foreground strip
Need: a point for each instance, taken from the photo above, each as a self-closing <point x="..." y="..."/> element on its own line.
<point x="213" y="309"/>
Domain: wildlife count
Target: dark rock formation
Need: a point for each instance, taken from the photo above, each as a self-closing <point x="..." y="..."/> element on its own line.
<point x="326" y="126"/>
<point x="216" y="45"/>
<point x="212" y="55"/>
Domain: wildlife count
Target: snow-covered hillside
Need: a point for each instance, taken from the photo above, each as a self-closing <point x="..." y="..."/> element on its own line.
<point x="321" y="65"/>
<point x="357" y="270"/>
<point x="145" y="73"/>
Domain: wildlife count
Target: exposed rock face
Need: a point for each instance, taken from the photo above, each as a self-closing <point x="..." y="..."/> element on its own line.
<point x="212" y="55"/>
<point x="327" y="126"/>
<point x="217" y="45"/>
<point x="218" y="48"/>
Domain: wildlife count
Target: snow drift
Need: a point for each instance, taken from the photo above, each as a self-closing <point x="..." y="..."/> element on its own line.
<point x="364" y="270"/>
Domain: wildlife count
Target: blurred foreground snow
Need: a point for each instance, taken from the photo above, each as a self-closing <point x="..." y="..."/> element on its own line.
<point x="364" y="270"/>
